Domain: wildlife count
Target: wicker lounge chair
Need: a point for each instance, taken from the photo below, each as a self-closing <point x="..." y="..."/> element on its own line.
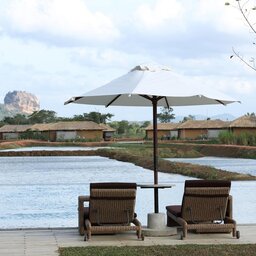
<point x="206" y="208"/>
<point x="111" y="209"/>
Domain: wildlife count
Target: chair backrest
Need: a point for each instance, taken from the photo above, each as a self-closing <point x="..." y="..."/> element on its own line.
<point x="205" y="200"/>
<point x="112" y="203"/>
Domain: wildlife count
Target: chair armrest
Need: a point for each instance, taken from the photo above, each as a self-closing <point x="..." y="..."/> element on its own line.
<point x="81" y="211"/>
<point x="229" y="212"/>
<point x="81" y="200"/>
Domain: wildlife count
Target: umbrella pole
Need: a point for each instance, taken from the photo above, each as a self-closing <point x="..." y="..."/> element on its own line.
<point x="155" y="152"/>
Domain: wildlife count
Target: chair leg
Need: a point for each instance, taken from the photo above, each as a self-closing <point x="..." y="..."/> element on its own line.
<point x="184" y="229"/>
<point x="234" y="232"/>
<point x="88" y="230"/>
<point x="138" y="229"/>
<point x="184" y="234"/>
<point x="139" y="234"/>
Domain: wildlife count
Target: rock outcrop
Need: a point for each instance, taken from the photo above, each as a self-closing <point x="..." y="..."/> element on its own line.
<point x="21" y="102"/>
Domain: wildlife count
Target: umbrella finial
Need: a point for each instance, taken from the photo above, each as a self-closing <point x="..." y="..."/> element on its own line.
<point x="150" y="67"/>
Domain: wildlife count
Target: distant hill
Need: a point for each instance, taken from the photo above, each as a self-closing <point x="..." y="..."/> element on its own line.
<point x="224" y="117"/>
<point x="19" y="102"/>
<point x="5" y="112"/>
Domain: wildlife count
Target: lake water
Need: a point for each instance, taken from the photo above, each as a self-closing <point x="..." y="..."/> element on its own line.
<point x="43" y="191"/>
<point x="243" y="192"/>
<point x="247" y="166"/>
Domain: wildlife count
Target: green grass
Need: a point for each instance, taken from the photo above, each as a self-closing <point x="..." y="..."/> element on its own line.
<point x="173" y="250"/>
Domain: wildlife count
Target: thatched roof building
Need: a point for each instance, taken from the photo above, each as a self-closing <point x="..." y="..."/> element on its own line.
<point x="107" y="128"/>
<point x="165" y="131"/>
<point x="13" y="128"/>
<point x="247" y="121"/>
<point x="244" y="124"/>
<point x="67" y="126"/>
<point x="204" y="124"/>
<point x="87" y="130"/>
<point x="10" y="131"/>
<point x="198" y="129"/>
<point x="163" y="126"/>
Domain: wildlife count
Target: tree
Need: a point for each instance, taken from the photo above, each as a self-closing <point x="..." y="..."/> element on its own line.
<point x="123" y="127"/>
<point x="49" y="116"/>
<point x="250" y="114"/>
<point x="99" y="118"/>
<point x="78" y="118"/>
<point x="145" y="124"/>
<point x="165" y="116"/>
<point x="189" y="117"/>
<point x="96" y="117"/>
<point x="43" y="116"/>
<point x="245" y="7"/>
<point x="17" y="119"/>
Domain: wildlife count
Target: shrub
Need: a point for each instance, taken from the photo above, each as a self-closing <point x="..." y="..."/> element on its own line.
<point x="226" y="137"/>
<point x="245" y="139"/>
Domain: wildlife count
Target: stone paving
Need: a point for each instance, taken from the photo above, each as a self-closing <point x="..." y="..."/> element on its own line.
<point x="42" y="242"/>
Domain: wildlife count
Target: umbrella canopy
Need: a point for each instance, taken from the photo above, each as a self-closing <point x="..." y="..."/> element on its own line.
<point x="175" y="90"/>
<point x="147" y="85"/>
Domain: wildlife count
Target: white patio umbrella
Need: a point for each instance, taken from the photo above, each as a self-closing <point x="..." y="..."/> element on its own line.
<point x="146" y="85"/>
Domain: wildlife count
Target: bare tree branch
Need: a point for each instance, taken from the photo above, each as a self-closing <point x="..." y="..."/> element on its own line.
<point x="242" y="10"/>
<point x="245" y="9"/>
<point x="244" y="61"/>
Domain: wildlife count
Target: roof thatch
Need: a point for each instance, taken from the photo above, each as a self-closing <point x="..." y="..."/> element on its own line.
<point x="15" y="128"/>
<point x="60" y="126"/>
<point x="244" y="122"/>
<point x="107" y="128"/>
<point x="67" y="126"/>
<point x="42" y="127"/>
<point x="204" y="124"/>
<point x="163" y="126"/>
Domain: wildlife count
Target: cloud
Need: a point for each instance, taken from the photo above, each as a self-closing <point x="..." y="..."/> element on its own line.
<point x="106" y="57"/>
<point x="243" y="87"/>
<point x="185" y="29"/>
<point x="58" y="21"/>
<point x="224" y="18"/>
<point x="154" y="16"/>
<point x="235" y="86"/>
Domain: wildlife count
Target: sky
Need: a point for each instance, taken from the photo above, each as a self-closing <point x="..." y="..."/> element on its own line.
<point x="57" y="49"/>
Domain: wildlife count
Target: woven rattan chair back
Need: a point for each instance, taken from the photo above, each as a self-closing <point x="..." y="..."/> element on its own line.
<point x="112" y="206"/>
<point x="204" y="204"/>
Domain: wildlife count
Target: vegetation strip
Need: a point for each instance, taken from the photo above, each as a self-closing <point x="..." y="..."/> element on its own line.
<point x="172" y="250"/>
<point x="140" y="158"/>
<point x="141" y="155"/>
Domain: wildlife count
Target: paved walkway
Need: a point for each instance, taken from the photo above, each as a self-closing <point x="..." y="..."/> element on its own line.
<point x="35" y="242"/>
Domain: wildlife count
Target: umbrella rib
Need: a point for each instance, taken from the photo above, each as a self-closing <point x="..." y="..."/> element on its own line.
<point x="146" y="97"/>
<point x="113" y="100"/>
<point x="166" y="101"/>
<point x="74" y="99"/>
<point x="151" y="99"/>
<point x="220" y="102"/>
